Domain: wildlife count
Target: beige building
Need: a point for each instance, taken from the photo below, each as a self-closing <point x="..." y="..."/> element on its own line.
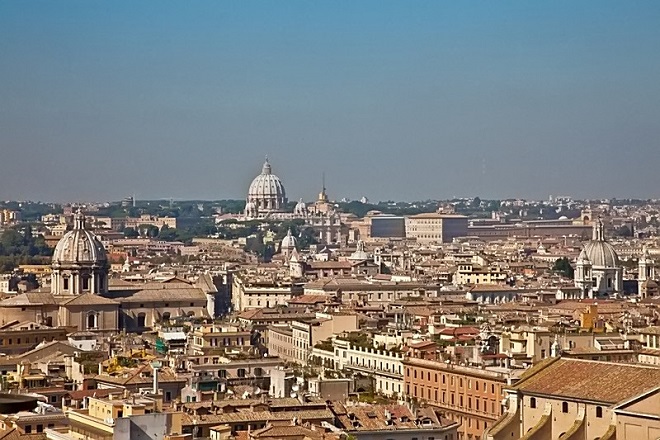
<point x="295" y="342"/>
<point x="123" y="417"/>
<point x="254" y="292"/>
<point x="578" y="399"/>
<point x="528" y="344"/>
<point x="210" y="338"/>
<point x="436" y="228"/>
<point x="650" y="338"/>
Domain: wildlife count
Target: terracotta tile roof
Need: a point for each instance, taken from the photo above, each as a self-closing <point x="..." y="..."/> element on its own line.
<point x="102" y="392"/>
<point x="166" y="294"/>
<point x="309" y="299"/>
<point x="29" y="299"/>
<point x="13" y="434"/>
<point x="89" y="299"/>
<point x="653" y="330"/>
<point x="589" y="380"/>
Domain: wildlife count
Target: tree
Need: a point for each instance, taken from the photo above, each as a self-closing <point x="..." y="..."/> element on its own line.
<point x="168" y="234"/>
<point x="623" y="231"/>
<point x="563" y="266"/>
<point x="148" y="231"/>
<point x="130" y="233"/>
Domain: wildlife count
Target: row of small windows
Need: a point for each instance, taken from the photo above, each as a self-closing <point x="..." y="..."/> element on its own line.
<point x="564" y="407"/>
<point x="452" y="399"/>
<point x="451" y="380"/>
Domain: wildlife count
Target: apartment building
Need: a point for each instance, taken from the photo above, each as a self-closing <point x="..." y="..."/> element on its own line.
<point x="296" y="341"/>
<point x="436" y="227"/>
<point x="384" y="366"/>
<point x="471" y="396"/>
<point x="209" y="338"/>
<point x="253" y="292"/>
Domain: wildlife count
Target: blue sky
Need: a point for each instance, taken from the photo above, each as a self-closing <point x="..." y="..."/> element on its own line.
<point x="392" y="100"/>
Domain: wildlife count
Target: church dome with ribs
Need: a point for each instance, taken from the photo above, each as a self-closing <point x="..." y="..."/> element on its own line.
<point x="267" y="191"/>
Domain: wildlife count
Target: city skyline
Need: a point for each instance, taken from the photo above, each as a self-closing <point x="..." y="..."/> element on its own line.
<point x="390" y="101"/>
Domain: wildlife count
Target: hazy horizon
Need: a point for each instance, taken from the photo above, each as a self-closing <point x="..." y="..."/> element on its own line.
<point x="391" y="100"/>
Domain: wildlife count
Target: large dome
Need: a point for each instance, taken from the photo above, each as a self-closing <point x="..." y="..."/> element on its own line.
<point x="598" y="251"/>
<point x="80" y="246"/>
<point x="267" y="191"/>
<point x="600" y="254"/>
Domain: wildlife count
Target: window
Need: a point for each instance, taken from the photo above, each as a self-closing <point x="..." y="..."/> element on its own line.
<point x="564" y="407"/>
<point x="85" y="283"/>
<point x="532" y="402"/>
<point x="599" y="412"/>
<point x="92" y="321"/>
<point x="66" y="283"/>
<point x="28" y="429"/>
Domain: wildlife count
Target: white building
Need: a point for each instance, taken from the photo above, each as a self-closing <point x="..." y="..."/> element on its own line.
<point x="384" y="366"/>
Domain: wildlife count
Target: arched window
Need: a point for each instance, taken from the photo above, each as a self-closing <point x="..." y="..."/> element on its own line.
<point x="599" y="412"/>
<point x="85" y="283"/>
<point x="92" y="321"/>
<point x="564" y="407"/>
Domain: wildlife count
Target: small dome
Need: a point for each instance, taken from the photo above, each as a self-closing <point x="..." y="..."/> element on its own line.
<point x="80" y="246"/>
<point x="301" y="208"/>
<point x="360" y="253"/>
<point x="289" y="242"/>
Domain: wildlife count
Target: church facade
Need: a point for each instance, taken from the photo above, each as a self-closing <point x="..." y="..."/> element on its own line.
<point x="267" y="199"/>
<point x="84" y="297"/>
<point x="598" y="270"/>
